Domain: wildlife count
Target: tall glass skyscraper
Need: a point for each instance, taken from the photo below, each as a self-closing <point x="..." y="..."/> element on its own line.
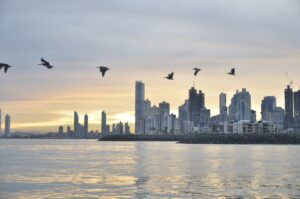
<point x="223" y="108"/>
<point x="289" y="115"/>
<point x="103" y="123"/>
<point x="139" y="107"/>
<point x="86" y="125"/>
<point x="297" y="109"/>
<point x="240" y="107"/>
<point x="7" y="125"/>
<point x="76" y="125"/>
<point x="268" y="105"/>
<point x="196" y="102"/>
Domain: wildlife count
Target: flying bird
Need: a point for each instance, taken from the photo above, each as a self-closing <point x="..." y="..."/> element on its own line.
<point x="103" y="69"/>
<point x="45" y="63"/>
<point x="170" y="76"/>
<point x="5" y="66"/>
<point x="196" y="71"/>
<point x="232" y="72"/>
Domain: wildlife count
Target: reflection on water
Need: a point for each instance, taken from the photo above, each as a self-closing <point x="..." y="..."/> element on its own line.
<point x="91" y="169"/>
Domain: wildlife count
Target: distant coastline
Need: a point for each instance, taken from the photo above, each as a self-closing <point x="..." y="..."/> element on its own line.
<point x="213" y="138"/>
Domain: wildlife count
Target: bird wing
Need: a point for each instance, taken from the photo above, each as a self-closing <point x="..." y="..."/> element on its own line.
<point x="171" y="75"/>
<point x="232" y="70"/>
<point x="6" y="68"/>
<point x="103" y="73"/>
<point x="44" y="61"/>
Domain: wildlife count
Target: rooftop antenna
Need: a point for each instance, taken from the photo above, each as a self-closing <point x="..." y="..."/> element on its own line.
<point x="289" y="79"/>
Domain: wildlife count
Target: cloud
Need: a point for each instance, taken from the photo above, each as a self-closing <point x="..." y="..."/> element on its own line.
<point x="141" y="40"/>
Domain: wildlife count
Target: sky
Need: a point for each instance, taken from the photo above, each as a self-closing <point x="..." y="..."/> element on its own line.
<point x="140" y="40"/>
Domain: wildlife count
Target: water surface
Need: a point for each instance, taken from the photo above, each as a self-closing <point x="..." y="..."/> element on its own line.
<point x="92" y="169"/>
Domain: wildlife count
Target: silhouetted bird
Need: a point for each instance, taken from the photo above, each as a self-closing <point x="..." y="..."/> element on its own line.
<point x="5" y="66"/>
<point x="232" y="72"/>
<point x="197" y="70"/>
<point x="103" y="69"/>
<point x="170" y="76"/>
<point x="45" y="63"/>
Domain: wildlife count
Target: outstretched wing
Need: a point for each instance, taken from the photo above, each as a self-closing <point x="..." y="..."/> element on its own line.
<point x="232" y="71"/>
<point x="44" y="61"/>
<point x="6" y="68"/>
<point x="171" y="75"/>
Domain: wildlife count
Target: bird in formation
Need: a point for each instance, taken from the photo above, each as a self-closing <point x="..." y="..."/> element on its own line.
<point x="103" y="69"/>
<point x="5" y="66"/>
<point x="45" y="63"/>
<point x="196" y="71"/>
<point x="170" y="76"/>
<point x="232" y="72"/>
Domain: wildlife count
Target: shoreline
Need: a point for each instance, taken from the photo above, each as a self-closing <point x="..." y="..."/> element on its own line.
<point x="213" y="138"/>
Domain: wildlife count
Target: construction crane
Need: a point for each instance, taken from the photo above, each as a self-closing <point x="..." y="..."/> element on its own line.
<point x="289" y="79"/>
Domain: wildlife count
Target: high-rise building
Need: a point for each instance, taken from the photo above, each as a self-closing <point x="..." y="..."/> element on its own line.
<point x="113" y="130"/>
<point x="278" y="118"/>
<point x="107" y="128"/>
<point x="76" y="125"/>
<point x="139" y="107"/>
<point x="103" y="123"/>
<point x="289" y="115"/>
<point x="240" y="107"/>
<point x="120" y="128"/>
<point x="86" y="125"/>
<point x="196" y="103"/>
<point x="127" y="128"/>
<point x="164" y="107"/>
<point x="297" y="109"/>
<point x="7" y="126"/>
<point x="60" y="131"/>
<point x="204" y="120"/>
<point x="164" y="111"/>
<point x="268" y="105"/>
<point x="147" y="108"/>
<point x="223" y="108"/>
<point x="183" y="111"/>
<point x="171" y="123"/>
<point x="69" y="131"/>
<point x="253" y="116"/>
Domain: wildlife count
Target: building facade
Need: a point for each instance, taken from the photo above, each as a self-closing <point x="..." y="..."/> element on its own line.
<point x="289" y="110"/>
<point x="139" y="107"/>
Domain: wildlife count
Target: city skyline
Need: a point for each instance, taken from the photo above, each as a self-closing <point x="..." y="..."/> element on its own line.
<point x="261" y="44"/>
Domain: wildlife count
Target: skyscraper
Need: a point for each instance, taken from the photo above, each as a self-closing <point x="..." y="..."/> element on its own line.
<point x="60" y="131"/>
<point x="126" y="128"/>
<point x="103" y="123"/>
<point x="76" y="125"/>
<point x="268" y="105"/>
<point x="223" y="108"/>
<point x="196" y="103"/>
<point x="278" y="118"/>
<point x="288" y="117"/>
<point x="7" y="126"/>
<point x="183" y="114"/>
<point x="164" y="107"/>
<point x="253" y="116"/>
<point x="297" y="109"/>
<point x="139" y="107"/>
<point x="240" y="107"/>
<point x="86" y="125"/>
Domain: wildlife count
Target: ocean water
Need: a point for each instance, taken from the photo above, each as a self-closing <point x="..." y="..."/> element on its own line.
<point x="92" y="169"/>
